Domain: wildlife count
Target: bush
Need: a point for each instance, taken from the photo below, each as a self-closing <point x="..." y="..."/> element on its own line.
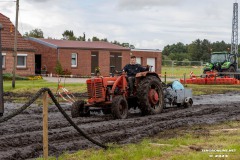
<point x="8" y="76"/>
<point x="67" y="72"/>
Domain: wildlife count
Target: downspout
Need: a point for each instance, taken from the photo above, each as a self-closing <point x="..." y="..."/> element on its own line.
<point x="58" y="54"/>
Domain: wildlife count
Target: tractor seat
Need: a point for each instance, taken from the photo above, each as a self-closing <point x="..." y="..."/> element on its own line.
<point x="110" y="83"/>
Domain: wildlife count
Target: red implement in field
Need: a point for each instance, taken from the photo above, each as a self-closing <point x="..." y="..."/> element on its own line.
<point x="210" y="77"/>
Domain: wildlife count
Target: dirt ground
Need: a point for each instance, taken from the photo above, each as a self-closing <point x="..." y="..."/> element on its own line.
<point x="21" y="136"/>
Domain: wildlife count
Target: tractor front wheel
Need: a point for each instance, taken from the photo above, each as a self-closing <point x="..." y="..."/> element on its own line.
<point x="119" y="107"/>
<point x="150" y="95"/>
<point x="77" y="109"/>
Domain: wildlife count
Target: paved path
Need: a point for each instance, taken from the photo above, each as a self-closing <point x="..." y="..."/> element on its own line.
<point x="66" y="80"/>
<point x="83" y="80"/>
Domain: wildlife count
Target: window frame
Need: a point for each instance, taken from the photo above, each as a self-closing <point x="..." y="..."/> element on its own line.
<point x="74" y="65"/>
<point x="25" y="60"/>
<point x="3" y="60"/>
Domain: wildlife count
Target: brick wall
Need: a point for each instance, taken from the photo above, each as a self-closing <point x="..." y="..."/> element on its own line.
<point x="104" y="62"/>
<point x="83" y="61"/>
<point x="48" y="56"/>
<point x="148" y="54"/>
<point x="30" y="63"/>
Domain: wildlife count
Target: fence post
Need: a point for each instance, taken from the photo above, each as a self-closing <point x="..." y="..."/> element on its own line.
<point x="215" y="79"/>
<point x="165" y="77"/>
<point x="184" y="79"/>
<point x="45" y="125"/>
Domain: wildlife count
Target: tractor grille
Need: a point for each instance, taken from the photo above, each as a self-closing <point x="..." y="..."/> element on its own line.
<point x="95" y="89"/>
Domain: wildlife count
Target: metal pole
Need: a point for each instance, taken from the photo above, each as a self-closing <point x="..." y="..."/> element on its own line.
<point x="1" y="77"/>
<point x="15" y="46"/>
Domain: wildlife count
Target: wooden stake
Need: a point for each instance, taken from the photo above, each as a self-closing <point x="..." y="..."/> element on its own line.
<point x="45" y="125"/>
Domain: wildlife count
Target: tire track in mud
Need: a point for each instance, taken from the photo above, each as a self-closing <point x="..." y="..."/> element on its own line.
<point x="21" y="137"/>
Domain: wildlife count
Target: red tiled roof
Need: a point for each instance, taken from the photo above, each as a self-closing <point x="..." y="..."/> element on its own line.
<point x="79" y="44"/>
<point x="8" y="36"/>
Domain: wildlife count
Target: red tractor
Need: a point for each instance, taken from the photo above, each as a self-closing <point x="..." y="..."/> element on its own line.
<point x="110" y="94"/>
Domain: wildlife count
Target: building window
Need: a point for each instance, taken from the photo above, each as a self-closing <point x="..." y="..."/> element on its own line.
<point x="3" y="59"/>
<point x="74" y="60"/>
<point x="22" y="60"/>
<point x="139" y="60"/>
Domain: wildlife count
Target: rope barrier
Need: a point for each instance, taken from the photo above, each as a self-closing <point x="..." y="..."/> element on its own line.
<point x="34" y="98"/>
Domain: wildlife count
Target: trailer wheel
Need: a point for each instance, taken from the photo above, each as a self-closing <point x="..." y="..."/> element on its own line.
<point x="119" y="107"/>
<point x="78" y="110"/>
<point x="150" y="95"/>
<point x="188" y="104"/>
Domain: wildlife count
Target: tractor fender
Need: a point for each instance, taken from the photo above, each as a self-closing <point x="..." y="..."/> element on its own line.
<point x="147" y="73"/>
<point x="120" y="82"/>
<point x="139" y="76"/>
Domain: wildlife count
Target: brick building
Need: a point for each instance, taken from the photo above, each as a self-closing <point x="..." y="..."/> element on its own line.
<point x="81" y="58"/>
<point x="149" y="57"/>
<point x="25" y="52"/>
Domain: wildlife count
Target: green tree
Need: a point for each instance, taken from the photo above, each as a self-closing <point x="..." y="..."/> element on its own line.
<point x="82" y="38"/>
<point x="206" y="50"/>
<point x="174" y="48"/>
<point x="166" y="50"/>
<point x="220" y="46"/>
<point x="104" y="40"/>
<point x="36" y="33"/>
<point x="178" y="56"/>
<point x="194" y="50"/>
<point x="69" y="35"/>
<point x="200" y="50"/>
<point x="116" y="42"/>
<point x="58" y="68"/>
<point x="94" y="38"/>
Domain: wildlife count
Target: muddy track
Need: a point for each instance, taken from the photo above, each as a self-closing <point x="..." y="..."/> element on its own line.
<point x="21" y="137"/>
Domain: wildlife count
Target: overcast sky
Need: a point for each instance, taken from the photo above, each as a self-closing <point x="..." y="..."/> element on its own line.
<point x="147" y="24"/>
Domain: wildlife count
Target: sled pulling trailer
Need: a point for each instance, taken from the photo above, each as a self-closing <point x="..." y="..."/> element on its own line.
<point x="176" y="95"/>
<point x="111" y="95"/>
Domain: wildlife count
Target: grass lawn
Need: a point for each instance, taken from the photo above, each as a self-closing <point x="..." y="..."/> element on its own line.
<point x="212" y="89"/>
<point x="34" y="85"/>
<point x="187" y="143"/>
<point x="178" y="72"/>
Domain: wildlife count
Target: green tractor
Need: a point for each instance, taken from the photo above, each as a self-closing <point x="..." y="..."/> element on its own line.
<point x="221" y="62"/>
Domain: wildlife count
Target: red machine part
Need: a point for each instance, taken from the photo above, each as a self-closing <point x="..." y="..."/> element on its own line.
<point x="153" y="96"/>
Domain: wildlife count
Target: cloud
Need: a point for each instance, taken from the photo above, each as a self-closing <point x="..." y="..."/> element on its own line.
<point x="153" y="44"/>
<point x="39" y="1"/>
<point x="139" y="4"/>
<point x="145" y="24"/>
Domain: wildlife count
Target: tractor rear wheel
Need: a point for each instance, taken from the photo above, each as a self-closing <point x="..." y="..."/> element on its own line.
<point x="119" y="107"/>
<point x="77" y="109"/>
<point x="150" y="95"/>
